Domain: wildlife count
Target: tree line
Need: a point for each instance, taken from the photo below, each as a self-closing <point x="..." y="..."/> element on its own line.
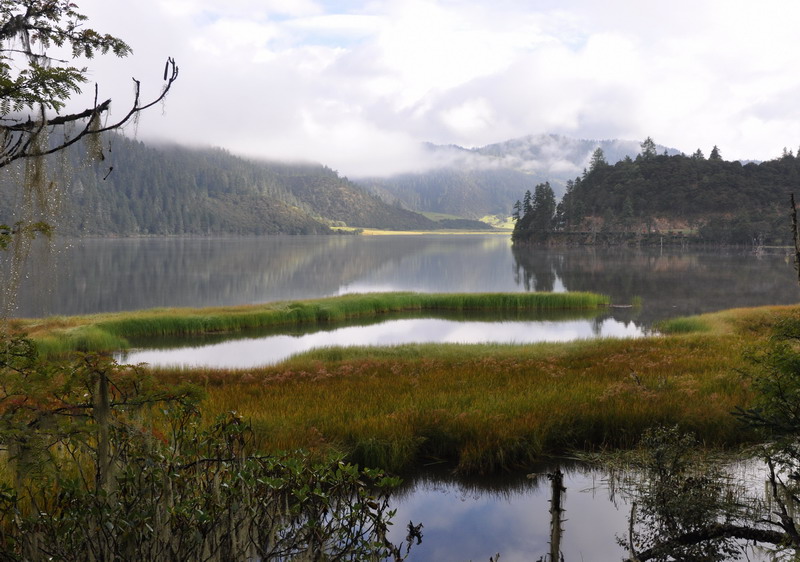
<point x="702" y="199"/>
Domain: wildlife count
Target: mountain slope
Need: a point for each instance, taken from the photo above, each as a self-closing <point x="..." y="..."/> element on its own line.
<point x="340" y="200"/>
<point x="175" y="190"/>
<point x="487" y="180"/>
<point x="461" y="192"/>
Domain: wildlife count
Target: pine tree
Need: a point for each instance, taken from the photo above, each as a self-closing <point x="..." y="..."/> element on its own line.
<point x="598" y="159"/>
<point x="648" y="148"/>
<point x="526" y="203"/>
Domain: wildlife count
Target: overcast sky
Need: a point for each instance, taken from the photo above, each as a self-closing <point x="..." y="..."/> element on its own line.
<point x="357" y="85"/>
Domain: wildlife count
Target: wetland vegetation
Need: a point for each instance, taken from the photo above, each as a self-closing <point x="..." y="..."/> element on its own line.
<point x="481" y="408"/>
<point x="489" y="408"/>
<point x="109" y="332"/>
<point x="475" y="409"/>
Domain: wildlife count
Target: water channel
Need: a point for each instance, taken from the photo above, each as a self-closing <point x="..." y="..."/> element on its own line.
<point x="462" y="520"/>
<point x="243" y="352"/>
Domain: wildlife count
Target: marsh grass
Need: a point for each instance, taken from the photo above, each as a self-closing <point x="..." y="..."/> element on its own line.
<point x="485" y="408"/>
<point x="111" y="332"/>
<point x="492" y="407"/>
<point x="488" y="408"/>
<point x="683" y="325"/>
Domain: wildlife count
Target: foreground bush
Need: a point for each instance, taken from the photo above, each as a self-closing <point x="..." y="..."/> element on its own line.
<point x="103" y="465"/>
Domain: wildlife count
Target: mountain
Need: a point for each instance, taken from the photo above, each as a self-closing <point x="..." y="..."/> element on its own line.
<point x="177" y="190"/>
<point x="472" y="193"/>
<point x="488" y="180"/>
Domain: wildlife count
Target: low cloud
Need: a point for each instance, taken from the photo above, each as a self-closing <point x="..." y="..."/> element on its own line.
<point x="359" y="85"/>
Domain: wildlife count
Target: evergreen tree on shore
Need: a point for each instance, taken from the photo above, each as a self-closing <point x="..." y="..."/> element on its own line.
<point x="708" y="200"/>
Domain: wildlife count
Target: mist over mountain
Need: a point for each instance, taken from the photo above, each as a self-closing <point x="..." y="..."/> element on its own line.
<point x="140" y="189"/>
<point x="169" y="189"/>
<point x="475" y="182"/>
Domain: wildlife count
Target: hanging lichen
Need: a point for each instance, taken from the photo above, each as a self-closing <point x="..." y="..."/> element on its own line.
<point x="94" y="143"/>
<point x="36" y="214"/>
<point x="36" y="88"/>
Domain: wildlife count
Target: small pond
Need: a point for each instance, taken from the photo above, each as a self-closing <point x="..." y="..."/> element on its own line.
<point x="474" y="519"/>
<point x="271" y="349"/>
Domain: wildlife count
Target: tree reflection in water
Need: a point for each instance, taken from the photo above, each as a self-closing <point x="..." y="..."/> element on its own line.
<point x="672" y="502"/>
<point x="687" y="504"/>
<point x="669" y="283"/>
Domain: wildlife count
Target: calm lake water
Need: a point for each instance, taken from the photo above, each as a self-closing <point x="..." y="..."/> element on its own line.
<point x="102" y="275"/>
<point x="475" y="519"/>
<point x="463" y="521"/>
<point x="467" y="520"/>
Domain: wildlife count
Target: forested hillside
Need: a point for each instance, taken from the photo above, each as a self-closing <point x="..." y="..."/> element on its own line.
<point x="484" y="181"/>
<point x="175" y="190"/>
<point x="461" y="192"/>
<point x="702" y="199"/>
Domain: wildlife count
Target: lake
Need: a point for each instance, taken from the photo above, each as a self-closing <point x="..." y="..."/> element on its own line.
<point x="105" y="275"/>
<point x="468" y="520"/>
<point x="462" y="520"/>
<point x="474" y="519"/>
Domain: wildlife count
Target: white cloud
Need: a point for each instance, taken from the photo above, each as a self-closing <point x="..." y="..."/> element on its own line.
<point x="237" y="38"/>
<point x="210" y="9"/>
<point x="473" y="115"/>
<point x="356" y="84"/>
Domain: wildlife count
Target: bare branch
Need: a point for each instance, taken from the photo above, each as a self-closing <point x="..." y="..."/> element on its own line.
<point x="712" y="532"/>
<point x="18" y="136"/>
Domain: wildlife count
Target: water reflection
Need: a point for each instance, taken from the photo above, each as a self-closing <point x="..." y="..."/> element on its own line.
<point x="513" y="515"/>
<point x="251" y="352"/>
<point x="670" y="283"/>
<point x="106" y="275"/>
<point x="103" y="275"/>
<point x="468" y="521"/>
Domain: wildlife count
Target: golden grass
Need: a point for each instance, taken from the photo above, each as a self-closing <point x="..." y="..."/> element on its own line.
<point x="494" y="407"/>
<point x="483" y="408"/>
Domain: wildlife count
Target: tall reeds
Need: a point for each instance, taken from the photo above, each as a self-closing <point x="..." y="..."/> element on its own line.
<point x="109" y="332"/>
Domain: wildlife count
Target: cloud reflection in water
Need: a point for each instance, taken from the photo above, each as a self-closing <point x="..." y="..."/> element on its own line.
<point x="268" y="350"/>
<point x="463" y="524"/>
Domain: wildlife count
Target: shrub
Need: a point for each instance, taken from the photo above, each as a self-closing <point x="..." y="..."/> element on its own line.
<point x="104" y="464"/>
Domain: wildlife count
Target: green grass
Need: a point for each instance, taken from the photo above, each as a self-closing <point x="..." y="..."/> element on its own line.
<point x="439" y="216"/>
<point x="499" y="221"/>
<point x="109" y="332"/>
<point x="484" y="408"/>
<point x="683" y="325"/>
<point x="488" y="408"/>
